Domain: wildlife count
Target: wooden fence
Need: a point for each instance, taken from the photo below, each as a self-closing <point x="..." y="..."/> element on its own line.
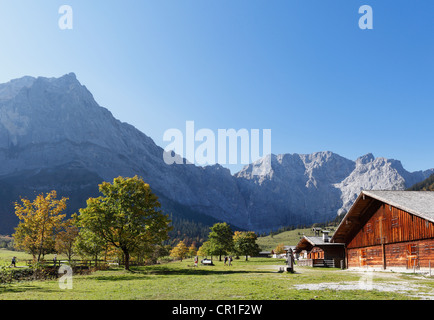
<point x="331" y="263"/>
<point x="72" y="262"/>
<point x="83" y="263"/>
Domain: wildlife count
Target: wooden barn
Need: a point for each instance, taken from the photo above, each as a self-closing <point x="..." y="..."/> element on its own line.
<point x="319" y="251"/>
<point x="388" y="230"/>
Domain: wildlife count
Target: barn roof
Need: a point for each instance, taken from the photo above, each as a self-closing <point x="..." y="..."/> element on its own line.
<point x="308" y="242"/>
<point x="315" y="240"/>
<point x="418" y="203"/>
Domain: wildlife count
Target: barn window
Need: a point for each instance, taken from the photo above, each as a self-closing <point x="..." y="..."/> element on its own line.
<point x="396" y="249"/>
<point x="373" y="252"/>
<point x="394" y="222"/>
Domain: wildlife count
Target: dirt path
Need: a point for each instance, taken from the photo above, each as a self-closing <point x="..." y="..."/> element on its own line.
<point x="415" y="286"/>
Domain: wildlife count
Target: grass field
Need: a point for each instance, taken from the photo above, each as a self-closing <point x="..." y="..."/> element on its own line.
<point x="288" y="238"/>
<point x="256" y="279"/>
<point x="22" y="257"/>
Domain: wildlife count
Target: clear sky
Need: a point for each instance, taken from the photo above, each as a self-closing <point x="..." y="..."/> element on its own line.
<point x="303" y="69"/>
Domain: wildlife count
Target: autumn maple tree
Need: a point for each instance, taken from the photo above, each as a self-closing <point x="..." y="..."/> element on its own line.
<point x="280" y="249"/>
<point x="65" y="239"/>
<point x="192" y="250"/>
<point x="40" y="221"/>
<point x="127" y="216"/>
<point x="180" y="251"/>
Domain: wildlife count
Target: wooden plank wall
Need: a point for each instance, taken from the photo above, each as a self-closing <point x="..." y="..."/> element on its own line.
<point x="394" y="238"/>
<point x="419" y="254"/>
<point x="368" y="256"/>
<point x="390" y="225"/>
<point x="316" y="253"/>
<point x="327" y="252"/>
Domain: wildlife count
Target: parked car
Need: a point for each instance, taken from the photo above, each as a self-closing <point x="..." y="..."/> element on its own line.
<point x="207" y="262"/>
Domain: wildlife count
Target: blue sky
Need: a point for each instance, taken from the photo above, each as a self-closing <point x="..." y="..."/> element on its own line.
<point x="303" y="69"/>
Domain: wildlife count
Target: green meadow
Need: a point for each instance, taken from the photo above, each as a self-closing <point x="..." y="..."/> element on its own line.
<point x="255" y="279"/>
<point x="288" y="238"/>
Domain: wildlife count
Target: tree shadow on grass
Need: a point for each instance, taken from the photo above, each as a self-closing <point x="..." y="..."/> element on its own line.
<point x="143" y="273"/>
<point x="159" y="270"/>
<point x="125" y="277"/>
<point x="22" y="288"/>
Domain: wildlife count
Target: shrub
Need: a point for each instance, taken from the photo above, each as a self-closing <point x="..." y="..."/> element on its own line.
<point x="35" y="271"/>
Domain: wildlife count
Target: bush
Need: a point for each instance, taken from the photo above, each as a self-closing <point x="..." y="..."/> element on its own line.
<point x="8" y="275"/>
<point x="35" y="271"/>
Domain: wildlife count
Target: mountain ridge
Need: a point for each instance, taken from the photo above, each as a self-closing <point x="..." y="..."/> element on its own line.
<point x="54" y="135"/>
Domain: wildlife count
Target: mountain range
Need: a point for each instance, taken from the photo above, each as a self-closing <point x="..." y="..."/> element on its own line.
<point x="54" y="135"/>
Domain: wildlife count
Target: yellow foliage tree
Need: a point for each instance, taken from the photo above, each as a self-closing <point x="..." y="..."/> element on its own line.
<point x="66" y="239"/>
<point x="280" y="249"/>
<point x="40" y="221"/>
<point x="180" y="251"/>
<point x="192" y="251"/>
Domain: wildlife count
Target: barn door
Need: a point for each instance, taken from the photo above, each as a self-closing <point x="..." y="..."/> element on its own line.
<point x="363" y="257"/>
<point x="412" y="256"/>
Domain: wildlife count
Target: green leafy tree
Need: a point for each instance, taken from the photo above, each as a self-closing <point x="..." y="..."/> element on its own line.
<point x="127" y="216"/>
<point x="245" y="243"/>
<point x="157" y="251"/>
<point x="205" y="249"/>
<point x="221" y="239"/>
<point x="89" y="244"/>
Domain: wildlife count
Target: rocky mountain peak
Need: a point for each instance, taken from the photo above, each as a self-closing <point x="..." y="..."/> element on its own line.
<point x="10" y="89"/>
<point x="54" y="135"/>
<point x="369" y="157"/>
